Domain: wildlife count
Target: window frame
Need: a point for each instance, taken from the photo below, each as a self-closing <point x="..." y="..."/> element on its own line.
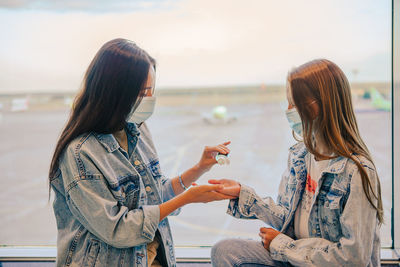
<point x="395" y="126"/>
<point x="202" y="253"/>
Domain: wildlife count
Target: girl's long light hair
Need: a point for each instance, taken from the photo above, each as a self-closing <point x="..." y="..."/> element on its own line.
<point x="323" y="82"/>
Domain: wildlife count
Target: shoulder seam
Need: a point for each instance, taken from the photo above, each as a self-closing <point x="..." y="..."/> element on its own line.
<point x="77" y="155"/>
<point x="79" y="178"/>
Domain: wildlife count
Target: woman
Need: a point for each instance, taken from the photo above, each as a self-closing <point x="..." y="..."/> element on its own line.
<point x="111" y="200"/>
<point x="329" y="206"/>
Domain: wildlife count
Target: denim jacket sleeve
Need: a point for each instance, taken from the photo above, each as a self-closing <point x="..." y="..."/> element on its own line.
<point x="165" y="184"/>
<point x="94" y="206"/>
<point x="354" y="248"/>
<point x="251" y="206"/>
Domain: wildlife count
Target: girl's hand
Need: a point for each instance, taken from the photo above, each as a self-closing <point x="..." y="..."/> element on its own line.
<point x="205" y="193"/>
<point x="230" y="187"/>
<point x="208" y="158"/>
<point x="267" y="235"/>
<point x="195" y="194"/>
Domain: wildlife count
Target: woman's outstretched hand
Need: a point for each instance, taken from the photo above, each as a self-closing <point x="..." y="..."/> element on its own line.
<point x="195" y="194"/>
<point x="205" y="193"/>
<point x="230" y="187"/>
<point x="207" y="159"/>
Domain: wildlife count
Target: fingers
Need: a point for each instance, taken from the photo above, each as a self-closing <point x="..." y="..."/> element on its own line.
<point x="223" y="149"/>
<point x="224" y="196"/>
<point x="219" y="181"/>
<point x="212" y="187"/>
<point x="263" y="230"/>
<point x="220" y="196"/>
<point x="214" y="181"/>
<point x="219" y="148"/>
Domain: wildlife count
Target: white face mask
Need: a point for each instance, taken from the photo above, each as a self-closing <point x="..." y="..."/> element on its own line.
<point x="294" y="120"/>
<point x="143" y="111"/>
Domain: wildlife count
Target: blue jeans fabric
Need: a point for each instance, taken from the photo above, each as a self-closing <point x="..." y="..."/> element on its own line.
<point x="241" y="253"/>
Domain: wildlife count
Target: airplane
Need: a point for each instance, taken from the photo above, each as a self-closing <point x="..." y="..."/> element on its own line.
<point x="219" y="116"/>
<point x="68" y="101"/>
<point x="19" y="104"/>
<point x="378" y="101"/>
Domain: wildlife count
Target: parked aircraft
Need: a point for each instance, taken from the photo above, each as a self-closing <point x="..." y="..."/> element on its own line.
<point x="379" y="102"/>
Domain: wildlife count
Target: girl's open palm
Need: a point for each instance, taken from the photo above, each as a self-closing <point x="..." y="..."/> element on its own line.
<point x="231" y="187"/>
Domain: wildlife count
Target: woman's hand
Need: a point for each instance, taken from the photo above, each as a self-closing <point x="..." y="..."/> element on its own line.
<point x="207" y="160"/>
<point x="267" y="235"/>
<point x="205" y="193"/>
<point x="195" y="194"/>
<point x="230" y="187"/>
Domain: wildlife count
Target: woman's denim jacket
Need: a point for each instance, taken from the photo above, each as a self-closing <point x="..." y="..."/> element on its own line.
<point x="106" y="204"/>
<point x="343" y="225"/>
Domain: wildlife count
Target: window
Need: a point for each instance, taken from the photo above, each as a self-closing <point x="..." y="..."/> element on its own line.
<point x="221" y="76"/>
<point x="396" y="124"/>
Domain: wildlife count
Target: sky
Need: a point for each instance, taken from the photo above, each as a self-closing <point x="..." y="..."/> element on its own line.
<point x="46" y="45"/>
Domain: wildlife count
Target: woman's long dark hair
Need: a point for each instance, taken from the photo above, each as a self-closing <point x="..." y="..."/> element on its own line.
<point x="111" y="89"/>
<point x="323" y="82"/>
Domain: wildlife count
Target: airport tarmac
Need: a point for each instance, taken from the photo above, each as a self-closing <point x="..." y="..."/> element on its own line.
<point x="260" y="138"/>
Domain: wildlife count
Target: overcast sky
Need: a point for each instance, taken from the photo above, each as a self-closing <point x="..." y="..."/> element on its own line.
<point x="47" y="45"/>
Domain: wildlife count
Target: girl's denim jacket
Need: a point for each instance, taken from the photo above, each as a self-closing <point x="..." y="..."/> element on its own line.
<point x="106" y="203"/>
<point x="343" y="225"/>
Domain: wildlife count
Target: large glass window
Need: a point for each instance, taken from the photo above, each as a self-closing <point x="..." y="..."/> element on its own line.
<point x="396" y="124"/>
<point x="221" y="76"/>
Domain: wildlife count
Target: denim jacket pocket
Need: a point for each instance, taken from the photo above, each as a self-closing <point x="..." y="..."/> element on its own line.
<point x="334" y="199"/>
<point x="154" y="166"/>
<point x="126" y="190"/>
<point x="91" y="253"/>
<point x="331" y="213"/>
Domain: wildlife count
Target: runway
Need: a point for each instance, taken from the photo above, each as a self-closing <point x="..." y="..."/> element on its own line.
<point x="260" y="139"/>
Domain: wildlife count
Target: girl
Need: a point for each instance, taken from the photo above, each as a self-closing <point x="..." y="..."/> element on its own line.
<point x="329" y="206"/>
<point x="111" y="200"/>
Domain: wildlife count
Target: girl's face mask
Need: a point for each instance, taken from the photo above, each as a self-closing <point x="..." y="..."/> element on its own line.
<point x="294" y="120"/>
<point x="143" y="111"/>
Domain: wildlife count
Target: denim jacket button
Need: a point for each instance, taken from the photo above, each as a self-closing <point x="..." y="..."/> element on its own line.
<point x="137" y="162"/>
<point x="148" y="188"/>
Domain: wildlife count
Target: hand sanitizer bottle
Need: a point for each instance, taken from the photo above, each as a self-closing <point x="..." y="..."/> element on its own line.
<point x="222" y="159"/>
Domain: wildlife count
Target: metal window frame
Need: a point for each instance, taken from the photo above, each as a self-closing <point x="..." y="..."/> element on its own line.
<point x="202" y="254"/>
<point x="183" y="254"/>
<point x="396" y="126"/>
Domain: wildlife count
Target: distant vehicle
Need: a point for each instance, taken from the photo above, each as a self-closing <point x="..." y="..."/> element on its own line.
<point x="19" y="104"/>
<point x="68" y="101"/>
<point x="379" y="102"/>
<point x="219" y="116"/>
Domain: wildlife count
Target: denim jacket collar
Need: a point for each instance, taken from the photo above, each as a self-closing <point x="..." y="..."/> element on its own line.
<point x="110" y="143"/>
<point x="335" y="166"/>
